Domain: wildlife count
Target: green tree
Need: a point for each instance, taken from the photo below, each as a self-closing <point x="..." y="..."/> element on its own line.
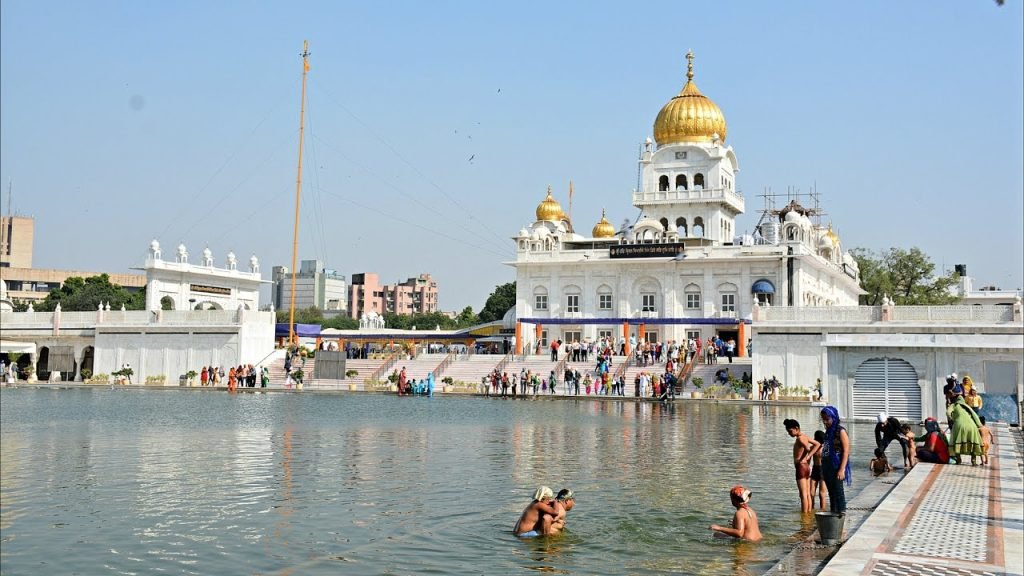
<point x="503" y="298"/>
<point x="83" y="294"/>
<point x="311" y="315"/>
<point x="466" y="318"/>
<point x="341" y="322"/>
<point x="906" y="276"/>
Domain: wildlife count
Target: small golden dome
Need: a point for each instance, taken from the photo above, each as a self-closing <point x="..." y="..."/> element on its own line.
<point x="603" y="229"/>
<point x="690" y="116"/>
<point x="831" y="235"/>
<point x="550" y="210"/>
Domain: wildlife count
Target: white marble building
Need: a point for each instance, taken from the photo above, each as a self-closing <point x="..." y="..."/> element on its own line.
<point x="200" y="286"/>
<point x="213" y="321"/>
<point x="895" y="358"/>
<point x="680" y="269"/>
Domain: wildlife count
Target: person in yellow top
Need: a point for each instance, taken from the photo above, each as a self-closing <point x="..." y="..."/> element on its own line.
<point x="974" y="400"/>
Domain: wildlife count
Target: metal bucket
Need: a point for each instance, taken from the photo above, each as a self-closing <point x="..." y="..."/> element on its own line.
<point x="830" y="527"/>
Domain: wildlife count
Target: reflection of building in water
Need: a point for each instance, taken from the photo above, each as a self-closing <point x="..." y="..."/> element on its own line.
<point x="679" y="268"/>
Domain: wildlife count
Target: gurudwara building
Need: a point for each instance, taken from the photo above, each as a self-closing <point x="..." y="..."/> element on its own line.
<point x="680" y="270"/>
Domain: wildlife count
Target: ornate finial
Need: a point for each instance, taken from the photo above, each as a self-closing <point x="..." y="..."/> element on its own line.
<point x="549" y="189"/>
<point x="689" y="65"/>
<point x="602" y="213"/>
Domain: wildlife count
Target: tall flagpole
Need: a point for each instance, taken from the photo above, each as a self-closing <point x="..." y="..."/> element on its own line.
<point x="298" y="191"/>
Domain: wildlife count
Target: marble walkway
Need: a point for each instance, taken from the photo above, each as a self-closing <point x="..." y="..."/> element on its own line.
<point x="945" y="520"/>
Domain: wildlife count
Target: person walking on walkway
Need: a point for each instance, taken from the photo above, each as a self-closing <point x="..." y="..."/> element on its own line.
<point x="835" y="460"/>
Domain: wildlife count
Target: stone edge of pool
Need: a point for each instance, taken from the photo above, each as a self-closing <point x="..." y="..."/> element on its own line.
<point x="437" y="392"/>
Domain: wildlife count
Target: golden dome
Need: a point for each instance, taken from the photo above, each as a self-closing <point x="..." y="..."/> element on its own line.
<point x="550" y="210"/>
<point x="603" y="229"/>
<point x="690" y="116"/>
<point x="832" y="236"/>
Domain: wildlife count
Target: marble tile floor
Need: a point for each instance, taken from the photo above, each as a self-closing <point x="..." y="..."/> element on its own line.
<point x="935" y="521"/>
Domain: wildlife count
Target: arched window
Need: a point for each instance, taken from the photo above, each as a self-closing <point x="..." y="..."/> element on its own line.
<point x="698" y="180"/>
<point x="764" y="292"/>
<point x="663" y="183"/>
<point x="664" y="223"/>
<point x="698" y="227"/>
<point x="681" y="227"/>
<point x="167" y="303"/>
<point x="604" y="298"/>
<point x="681" y="182"/>
<point x="540" y="298"/>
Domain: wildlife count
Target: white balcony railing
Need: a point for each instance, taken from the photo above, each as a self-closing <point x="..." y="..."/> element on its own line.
<point x="706" y="194"/>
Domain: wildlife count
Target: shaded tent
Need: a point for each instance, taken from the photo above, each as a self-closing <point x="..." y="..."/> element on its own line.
<point x="301" y="330"/>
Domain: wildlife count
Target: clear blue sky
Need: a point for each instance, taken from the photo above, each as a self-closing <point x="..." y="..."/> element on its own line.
<point x="127" y="121"/>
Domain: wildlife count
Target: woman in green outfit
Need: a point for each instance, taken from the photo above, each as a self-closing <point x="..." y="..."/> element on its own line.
<point x="965" y="438"/>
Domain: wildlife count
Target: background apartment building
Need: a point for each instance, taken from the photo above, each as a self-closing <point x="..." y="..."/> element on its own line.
<point x="28" y="284"/>
<point x="315" y="287"/>
<point x="414" y="296"/>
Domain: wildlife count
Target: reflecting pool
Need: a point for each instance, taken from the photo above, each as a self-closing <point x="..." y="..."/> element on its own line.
<point x="199" y="482"/>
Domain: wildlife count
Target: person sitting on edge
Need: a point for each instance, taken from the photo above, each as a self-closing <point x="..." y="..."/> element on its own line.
<point x="986" y="439"/>
<point x="538" y="515"/>
<point x="879" y="464"/>
<point x="804" y="449"/>
<point x="744" y="522"/>
<point x="564" y="501"/>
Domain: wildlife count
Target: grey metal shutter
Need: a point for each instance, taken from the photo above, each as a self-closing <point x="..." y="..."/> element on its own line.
<point x="889" y="385"/>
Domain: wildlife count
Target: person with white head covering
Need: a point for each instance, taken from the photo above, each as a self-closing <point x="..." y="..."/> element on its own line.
<point x="538" y="514"/>
<point x="888" y="429"/>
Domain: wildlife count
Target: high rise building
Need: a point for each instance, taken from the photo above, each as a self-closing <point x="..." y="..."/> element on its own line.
<point x="27" y="284"/>
<point x="16" y="236"/>
<point x="315" y="287"/>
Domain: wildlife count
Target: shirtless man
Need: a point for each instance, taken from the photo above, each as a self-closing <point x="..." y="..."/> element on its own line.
<point x="804" y="448"/>
<point x="564" y="501"/>
<point x="538" y="516"/>
<point x="744" y="522"/>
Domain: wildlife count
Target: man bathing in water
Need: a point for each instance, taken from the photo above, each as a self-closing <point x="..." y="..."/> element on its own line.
<point x="564" y="501"/>
<point x="538" y="516"/>
<point x="744" y="522"/>
<point x="545" y="516"/>
<point x="804" y="449"/>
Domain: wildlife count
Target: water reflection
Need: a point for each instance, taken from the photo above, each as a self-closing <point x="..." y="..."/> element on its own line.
<point x="291" y="484"/>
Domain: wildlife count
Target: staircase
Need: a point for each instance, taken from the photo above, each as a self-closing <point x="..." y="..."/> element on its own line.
<point x="419" y="367"/>
<point x="707" y="371"/>
<point x="468" y="370"/>
<point x="277" y="376"/>
<point x="537" y="363"/>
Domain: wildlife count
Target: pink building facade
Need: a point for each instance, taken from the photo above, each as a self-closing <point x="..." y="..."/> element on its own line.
<point x="414" y="296"/>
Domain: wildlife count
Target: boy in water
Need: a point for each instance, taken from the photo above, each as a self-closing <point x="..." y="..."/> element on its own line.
<point x="564" y="501"/>
<point x="911" y="441"/>
<point x="804" y="449"/>
<point x="744" y="522"/>
<point x="986" y="440"/>
<point x="879" y="464"/>
<point x="817" y="486"/>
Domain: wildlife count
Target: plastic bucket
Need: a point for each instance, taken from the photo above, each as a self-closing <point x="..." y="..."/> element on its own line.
<point x="830" y="527"/>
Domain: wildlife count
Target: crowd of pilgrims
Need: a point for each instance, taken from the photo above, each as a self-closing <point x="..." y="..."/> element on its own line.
<point x="645" y="353"/>
<point x="242" y="375"/>
<point x="600" y="380"/>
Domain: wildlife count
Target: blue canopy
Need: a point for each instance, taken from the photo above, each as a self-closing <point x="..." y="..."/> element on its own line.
<point x="301" y="330"/>
<point x="763" y="287"/>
